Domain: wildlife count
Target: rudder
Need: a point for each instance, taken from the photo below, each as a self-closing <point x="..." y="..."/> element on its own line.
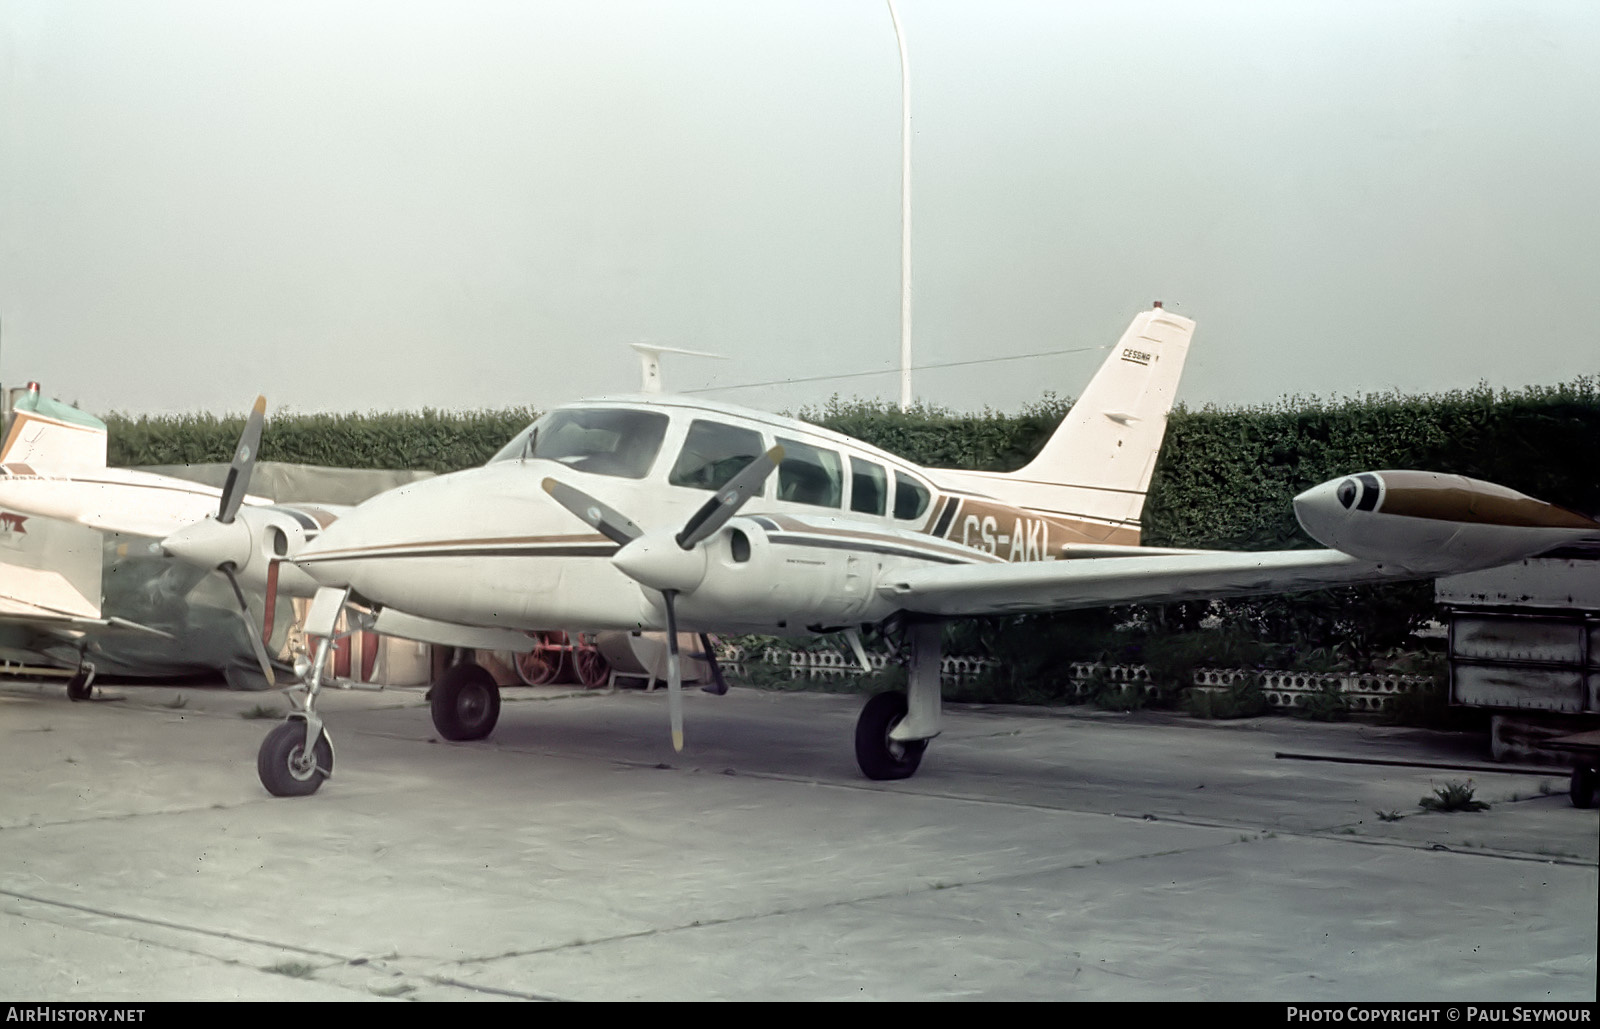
<point x="1097" y="464"/>
<point x="46" y="434"/>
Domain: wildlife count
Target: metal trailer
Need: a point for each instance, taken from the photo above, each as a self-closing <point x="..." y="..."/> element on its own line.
<point x="1525" y="644"/>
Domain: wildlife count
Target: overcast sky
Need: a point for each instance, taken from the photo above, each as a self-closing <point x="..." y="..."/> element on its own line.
<point x="368" y="206"/>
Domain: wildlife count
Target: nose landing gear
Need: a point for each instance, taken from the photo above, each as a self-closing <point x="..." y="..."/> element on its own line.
<point x="297" y="756"/>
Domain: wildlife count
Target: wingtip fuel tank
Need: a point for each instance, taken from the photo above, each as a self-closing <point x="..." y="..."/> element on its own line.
<point x="1430" y="521"/>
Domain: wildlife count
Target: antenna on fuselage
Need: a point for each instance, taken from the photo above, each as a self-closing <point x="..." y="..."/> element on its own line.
<point x="650" y="363"/>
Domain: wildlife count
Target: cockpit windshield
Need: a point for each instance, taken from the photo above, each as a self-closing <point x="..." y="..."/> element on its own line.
<point x="601" y="440"/>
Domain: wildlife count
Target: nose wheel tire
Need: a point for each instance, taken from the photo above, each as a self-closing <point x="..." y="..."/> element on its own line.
<point x="878" y="755"/>
<point x="283" y="765"/>
<point x="465" y="702"/>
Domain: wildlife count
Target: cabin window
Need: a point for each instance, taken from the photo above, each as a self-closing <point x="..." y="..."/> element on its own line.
<point x="600" y="440"/>
<point x="713" y="454"/>
<point x="869" y="487"/>
<point x="810" y="475"/>
<point x="910" y="497"/>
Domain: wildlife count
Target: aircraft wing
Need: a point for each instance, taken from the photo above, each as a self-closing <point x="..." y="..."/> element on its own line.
<point x="1000" y="589"/>
<point x="19" y="610"/>
<point x="112" y="499"/>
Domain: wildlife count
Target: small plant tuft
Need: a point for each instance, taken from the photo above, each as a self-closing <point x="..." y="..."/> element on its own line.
<point x="1453" y="796"/>
<point x="262" y="711"/>
<point x="1241" y="700"/>
<point x="1389" y="816"/>
<point x="292" y="969"/>
<point x="397" y="990"/>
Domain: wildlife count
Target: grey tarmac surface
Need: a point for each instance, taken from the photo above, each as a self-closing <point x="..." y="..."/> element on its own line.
<point x="1039" y="854"/>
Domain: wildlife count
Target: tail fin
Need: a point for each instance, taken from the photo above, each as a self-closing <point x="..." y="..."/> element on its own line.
<point x="1096" y="467"/>
<point x="47" y="434"/>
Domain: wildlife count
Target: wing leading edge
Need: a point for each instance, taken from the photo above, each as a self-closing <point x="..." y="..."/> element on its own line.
<point x="963" y="590"/>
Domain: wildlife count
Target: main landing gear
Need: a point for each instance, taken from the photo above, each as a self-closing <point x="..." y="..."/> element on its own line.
<point x="465" y="702"/>
<point x="81" y="685"/>
<point x="894" y="728"/>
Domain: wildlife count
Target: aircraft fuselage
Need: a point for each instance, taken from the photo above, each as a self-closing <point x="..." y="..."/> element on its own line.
<point x="489" y="546"/>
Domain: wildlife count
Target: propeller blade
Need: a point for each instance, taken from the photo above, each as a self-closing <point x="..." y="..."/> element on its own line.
<point x="250" y="627"/>
<point x="611" y="523"/>
<point x="718" y="684"/>
<point x="244" y="462"/>
<point x="674" y="674"/>
<point x="714" y="514"/>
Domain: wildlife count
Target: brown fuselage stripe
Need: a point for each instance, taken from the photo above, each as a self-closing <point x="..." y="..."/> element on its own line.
<point x="367" y="553"/>
<point x="398" y="549"/>
<point x="968" y="526"/>
<point x="1426" y="496"/>
<point x="940" y="549"/>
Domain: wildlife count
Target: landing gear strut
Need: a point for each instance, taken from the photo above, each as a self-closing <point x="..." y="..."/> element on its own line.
<point x="81" y="685"/>
<point x="297" y="756"/>
<point x="894" y="728"/>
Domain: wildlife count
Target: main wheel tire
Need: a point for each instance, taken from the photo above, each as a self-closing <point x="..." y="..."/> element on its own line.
<point x="465" y="702"/>
<point x="1584" y="781"/>
<point x="878" y="755"/>
<point x="282" y="763"/>
<point x="545" y="663"/>
<point x="78" y="687"/>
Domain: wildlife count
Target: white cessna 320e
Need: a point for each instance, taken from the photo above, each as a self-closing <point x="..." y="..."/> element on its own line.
<point x="655" y="512"/>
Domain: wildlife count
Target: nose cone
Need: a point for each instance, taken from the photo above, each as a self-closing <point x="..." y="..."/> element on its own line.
<point x="1325" y="510"/>
<point x="658" y="562"/>
<point x="210" y="544"/>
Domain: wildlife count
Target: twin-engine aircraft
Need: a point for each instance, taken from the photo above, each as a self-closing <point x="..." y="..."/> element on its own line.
<point x="655" y="512"/>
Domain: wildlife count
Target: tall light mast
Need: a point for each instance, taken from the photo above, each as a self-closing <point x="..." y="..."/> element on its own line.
<point x="905" y="213"/>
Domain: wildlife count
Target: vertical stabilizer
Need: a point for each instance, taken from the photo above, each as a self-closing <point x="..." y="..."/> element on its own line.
<point x="1096" y="467"/>
<point x="47" y="434"/>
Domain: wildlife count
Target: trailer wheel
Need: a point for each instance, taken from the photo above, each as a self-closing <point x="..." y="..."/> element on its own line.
<point x="546" y="662"/>
<point x="592" y="669"/>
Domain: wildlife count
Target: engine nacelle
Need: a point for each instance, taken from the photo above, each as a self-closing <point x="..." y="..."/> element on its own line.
<point x="755" y="581"/>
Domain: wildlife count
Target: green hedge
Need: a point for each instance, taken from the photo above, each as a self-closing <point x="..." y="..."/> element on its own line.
<point x="438" y="441"/>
